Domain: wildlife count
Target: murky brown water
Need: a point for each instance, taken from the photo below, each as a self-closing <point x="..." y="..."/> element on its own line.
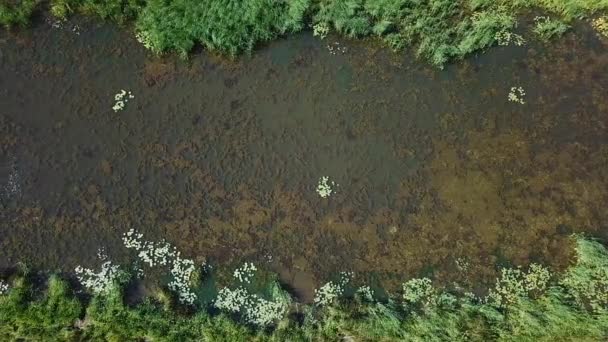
<point x="222" y="158"/>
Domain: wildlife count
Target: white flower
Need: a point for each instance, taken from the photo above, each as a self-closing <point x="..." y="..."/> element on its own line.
<point x="505" y="38"/>
<point x="516" y="94"/>
<point x="4" y="287"/>
<point x="366" y="292"/>
<point x="121" y="100"/>
<point x="324" y="189"/>
<point x="245" y="273"/>
<point x="255" y="310"/>
<point x="100" y="282"/>
<point x="162" y="254"/>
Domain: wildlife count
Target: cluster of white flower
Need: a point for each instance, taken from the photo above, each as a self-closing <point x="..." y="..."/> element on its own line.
<point x="162" y="254"/>
<point x="331" y="290"/>
<point x="320" y="30"/>
<point x="262" y="312"/>
<point x="418" y="290"/>
<point x="231" y="300"/>
<point x="516" y="94"/>
<point x="100" y="282"/>
<point x="151" y="253"/>
<point x="255" y="310"/>
<point x="245" y="273"/>
<point x="514" y="283"/>
<point x="335" y="49"/>
<point x="121" y="100"/>
<point x="366" y="292"/>
<point x="182" y="271"/>
<point x="4" y="287"/>
<point x="324" y="189"/>
<point x="505" y="38"/>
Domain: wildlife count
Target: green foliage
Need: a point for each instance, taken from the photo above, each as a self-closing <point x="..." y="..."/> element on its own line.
<point x="573" y="307"/>
<point x="16" y="12"/>
<point x="547" y="28"/>
<point x="228" y="26"/>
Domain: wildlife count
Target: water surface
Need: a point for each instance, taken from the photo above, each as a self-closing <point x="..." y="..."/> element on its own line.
<point x="435" y="168"/>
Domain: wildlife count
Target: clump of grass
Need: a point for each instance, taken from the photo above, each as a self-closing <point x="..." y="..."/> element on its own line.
<point x="17" y="12"/>
<point x="547" y="28"/>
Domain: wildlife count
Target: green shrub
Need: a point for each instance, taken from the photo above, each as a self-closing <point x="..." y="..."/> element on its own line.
<point x="16" y="12"/>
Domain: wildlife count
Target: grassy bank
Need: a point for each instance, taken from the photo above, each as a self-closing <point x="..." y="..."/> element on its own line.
<point x="530" y="304"/>
<point x="439" y="31"/>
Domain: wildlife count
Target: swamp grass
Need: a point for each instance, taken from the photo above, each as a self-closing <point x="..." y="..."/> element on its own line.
<point x="439" y="31"/>
<point x="573" y="306"/>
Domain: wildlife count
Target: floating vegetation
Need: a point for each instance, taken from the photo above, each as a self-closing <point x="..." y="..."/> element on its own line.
<point x="506" y="38"/>
<point x="161" y="254"/>
<point x="121" y="99"/>
<point x="252" y="307"/>
<point x="245" y="273"/>
<point x="517" y="94"/>
<point x="325" y="188"/>
<point x="102" y="281"/>
<point x="335" y="48"/>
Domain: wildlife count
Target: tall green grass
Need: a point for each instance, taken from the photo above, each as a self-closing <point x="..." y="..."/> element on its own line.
<point x="572" y="307"/>
<point x="439" y="31"/>
<point x="228" y="26"/>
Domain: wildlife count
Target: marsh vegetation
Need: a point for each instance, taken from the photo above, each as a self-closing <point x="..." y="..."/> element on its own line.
<point x="439" y="31"/>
